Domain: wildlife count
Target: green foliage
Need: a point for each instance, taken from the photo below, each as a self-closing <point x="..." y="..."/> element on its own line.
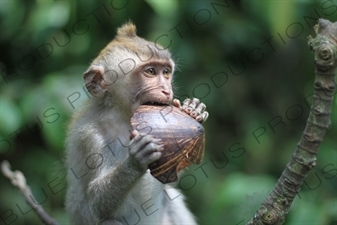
<point x="247" y="60"/>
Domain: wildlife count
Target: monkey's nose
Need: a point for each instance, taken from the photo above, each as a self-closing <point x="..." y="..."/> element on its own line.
<point x="166" y="92"/>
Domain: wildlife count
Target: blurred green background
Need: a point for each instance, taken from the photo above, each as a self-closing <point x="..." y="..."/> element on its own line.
<point x="247" y="60"/>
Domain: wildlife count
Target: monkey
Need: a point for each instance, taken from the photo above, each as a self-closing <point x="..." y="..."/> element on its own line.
<point x="107" y="161"/>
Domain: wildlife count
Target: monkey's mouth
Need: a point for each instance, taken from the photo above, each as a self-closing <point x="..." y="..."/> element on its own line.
<point x="156" y="103"/>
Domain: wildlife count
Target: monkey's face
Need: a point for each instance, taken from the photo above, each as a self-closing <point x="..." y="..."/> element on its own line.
<point x="131" y="71"/>
<point x="153" y="83"/>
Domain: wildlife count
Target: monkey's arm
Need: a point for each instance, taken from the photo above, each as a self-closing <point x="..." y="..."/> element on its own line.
<point x="112" y="184"/>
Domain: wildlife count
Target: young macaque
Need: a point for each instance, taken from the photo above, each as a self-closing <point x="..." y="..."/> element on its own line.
<point x="107" y="162"/>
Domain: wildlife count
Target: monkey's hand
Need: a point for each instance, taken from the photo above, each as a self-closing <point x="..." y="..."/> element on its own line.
<point x="144" y="149"/>
<point x="194" y="108"/>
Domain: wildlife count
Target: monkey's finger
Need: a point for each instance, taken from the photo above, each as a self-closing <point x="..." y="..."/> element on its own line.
<point x="141" y="141"/>
<point x="186" y="104"/>
<point x="193" y="105"/>
<point x="137" y="136"/>
<point x="149" y="153"/>
<point x="200" y="109"/>
<point x="205" y="116"/>
<point x="177" y="103"/>
<point x="202" y="117"/>
<point x="135" y="142"/>
<point x="133" y="134"/>
<point x="144" y="156"/>
<point x="154" y="157"/>
<point x="187" y="101"/>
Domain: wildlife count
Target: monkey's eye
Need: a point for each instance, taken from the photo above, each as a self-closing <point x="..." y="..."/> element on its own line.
<point x="150" y="71"/>
<point x="166" y="73"/>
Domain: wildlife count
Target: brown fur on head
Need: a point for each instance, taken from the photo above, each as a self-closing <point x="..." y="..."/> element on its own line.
<point x="127" y="30"/>
<point x="114" y="75"/>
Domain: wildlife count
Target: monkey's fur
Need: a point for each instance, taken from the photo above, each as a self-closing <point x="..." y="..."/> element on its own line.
<point x="108" y="179"/>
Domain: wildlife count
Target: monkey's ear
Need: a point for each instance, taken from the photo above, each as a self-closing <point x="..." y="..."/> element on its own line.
<point x="94" y="81"/>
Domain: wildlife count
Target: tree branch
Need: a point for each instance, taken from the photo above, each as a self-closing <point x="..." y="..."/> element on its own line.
<point x="18" y="180"/>
<point x="276" y="206"/>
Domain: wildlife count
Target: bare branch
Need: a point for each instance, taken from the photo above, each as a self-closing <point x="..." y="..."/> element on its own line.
<point x="18" y="180"/>
<point x="276" y="206"/>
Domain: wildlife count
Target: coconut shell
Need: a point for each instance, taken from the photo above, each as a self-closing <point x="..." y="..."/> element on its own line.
<point x="182" y="136"/>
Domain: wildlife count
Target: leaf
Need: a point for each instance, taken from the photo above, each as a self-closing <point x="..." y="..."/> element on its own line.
<point x="163" y="8"/>
<point x="10" y="116"/>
